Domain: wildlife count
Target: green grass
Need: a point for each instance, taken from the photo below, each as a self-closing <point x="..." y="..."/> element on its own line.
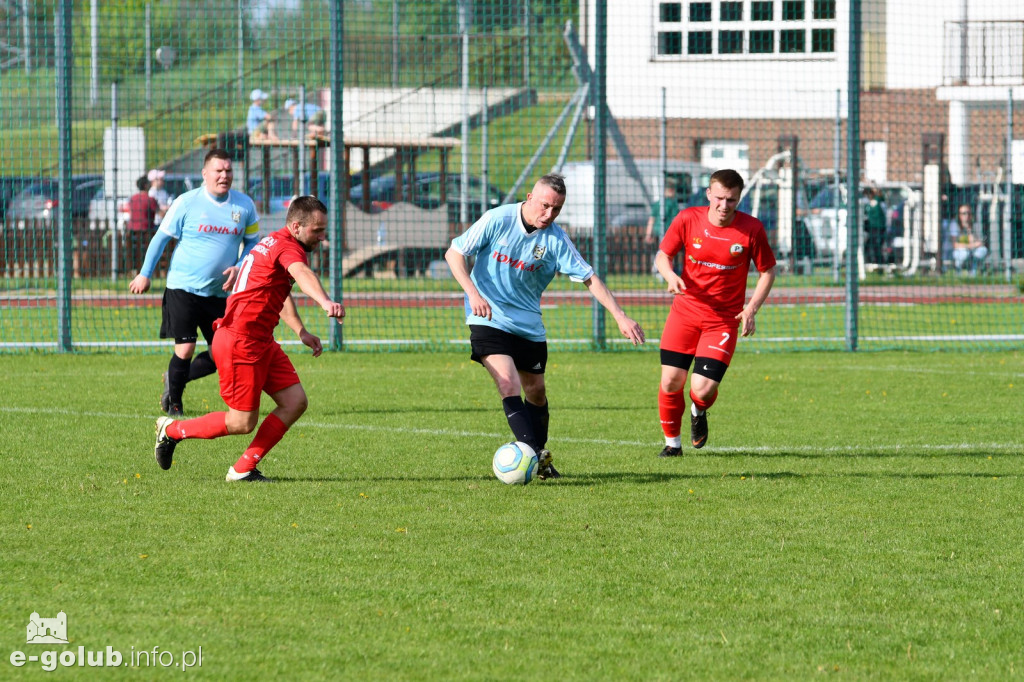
<point x="852" y="515"/>
<point x="803" y="326"/>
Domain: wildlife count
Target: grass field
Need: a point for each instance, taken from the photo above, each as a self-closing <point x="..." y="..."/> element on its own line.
<point x="852" y="515"/>
<point x="950" y="326"/>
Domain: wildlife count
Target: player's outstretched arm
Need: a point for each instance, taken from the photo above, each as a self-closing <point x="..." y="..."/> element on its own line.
<point x="460" y="271"/>
<point x="250" y="240"/>
<point x="746" y="316"/>
<point x="629" y="327"/>
<point x="141" y="283"/>
<point x="290" y="315"/>
<point x="310" y="285"/>
<point x="672" y="280"/>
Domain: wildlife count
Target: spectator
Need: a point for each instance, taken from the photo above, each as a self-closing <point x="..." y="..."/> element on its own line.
<point x="157" y="191"/>
<point x="266" y="131"/>
<point x="256" y="113"/>
<point x="316" y="118"/>
<point x="143" y="212"/>
<point x="662" y="213"/>
<point x="968" y="247"/>
<point x="874" y="226"/>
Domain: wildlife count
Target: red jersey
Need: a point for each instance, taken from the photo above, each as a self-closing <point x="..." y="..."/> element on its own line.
<point x="263" y="284"/>
<point x="142" y="210"/>
<point x="717" y="259"/>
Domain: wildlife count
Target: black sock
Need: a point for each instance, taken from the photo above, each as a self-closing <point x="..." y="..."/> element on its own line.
<point x="539" y="417"/>
<point x="519" y="420"/>
<point x="177" y="375"/>
<point x="202" y="365"/>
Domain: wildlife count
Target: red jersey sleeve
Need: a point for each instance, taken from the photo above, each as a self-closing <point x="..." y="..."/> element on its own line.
<point x="672" y="242"/>
<point x="761" y="251"/>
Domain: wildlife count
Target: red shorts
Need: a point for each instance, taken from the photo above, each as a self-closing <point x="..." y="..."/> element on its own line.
<point x="691" y="331"/>
<point x="248" y="367"/>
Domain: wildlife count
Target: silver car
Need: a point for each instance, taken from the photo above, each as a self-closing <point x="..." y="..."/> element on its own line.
<point x="39" y="200"/>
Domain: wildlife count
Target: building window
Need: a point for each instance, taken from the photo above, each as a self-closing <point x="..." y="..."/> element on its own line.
<point x="793" y="10"/>
<point x="670" y="42"/>
<point x="762" y="11"/>
<point x="671" y="12"/>
<point x="731" y="11"/>
<point x="698" y="42"/>
<point x="737" y="29"/>
<point x="730" y="42"/>
<point x="823" y="40"/>
<point x="824" y="9"/>
<point x="762" y="42"/>
<point x="791" y="40"/>
<point x="700" y="11"/>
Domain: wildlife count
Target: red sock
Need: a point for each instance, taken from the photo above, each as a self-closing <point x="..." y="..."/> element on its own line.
<point x="671" y="407"/>
<point x="704" y="404"/>
<point x="208" y="426"/>
<point x="269" y="434"/>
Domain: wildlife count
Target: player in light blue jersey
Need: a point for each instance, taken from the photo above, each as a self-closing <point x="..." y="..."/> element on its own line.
<point x="214" y="227"/>
<point x="518" y="249"/>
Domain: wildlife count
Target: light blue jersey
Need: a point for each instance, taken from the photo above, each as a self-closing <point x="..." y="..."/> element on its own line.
<point x="212" y="236"/>
<point x="513" y="268"/>
<point x="255" y="116"/>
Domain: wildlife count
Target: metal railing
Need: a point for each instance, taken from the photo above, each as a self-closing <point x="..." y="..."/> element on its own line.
<point x="983" y="53"/>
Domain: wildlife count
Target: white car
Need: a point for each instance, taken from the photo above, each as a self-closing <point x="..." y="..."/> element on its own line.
<point x="101" y="211"/>
<point x="101" y="207"/>
<point x="828" y="225"/>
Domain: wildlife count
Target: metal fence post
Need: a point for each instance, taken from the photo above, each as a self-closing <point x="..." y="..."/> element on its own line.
<point x="1008" y="210"/>
<point x="853" y="174"/>
<point x="600" y="157"/>
<point x="64" y="139"/>
<point x="336" y="213"/>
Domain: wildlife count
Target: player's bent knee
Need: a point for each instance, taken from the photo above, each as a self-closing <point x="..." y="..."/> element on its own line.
<point x="241" y="423"/>
<point x="711" y="369"/>
<point x="673" y="385"/>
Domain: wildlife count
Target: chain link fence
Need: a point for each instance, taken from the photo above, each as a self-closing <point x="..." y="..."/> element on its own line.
<point x="880" y="141"/>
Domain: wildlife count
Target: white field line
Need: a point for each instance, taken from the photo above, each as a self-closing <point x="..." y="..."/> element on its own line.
<point x="894" y="449"/>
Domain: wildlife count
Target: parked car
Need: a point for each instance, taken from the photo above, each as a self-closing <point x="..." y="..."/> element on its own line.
<point x="282" y="191"/>
<point x="9" y="186"/>
<point x="101" y="208"/>
<point x="426" y="189"/>
<point x="827" y="224"/>
<point x="628" y="215"/>
<point x="39" y="201"/>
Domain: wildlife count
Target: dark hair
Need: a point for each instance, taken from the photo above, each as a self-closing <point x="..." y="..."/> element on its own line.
<point x="142" y="183"/>
<point x="302" y="209"/>
<point x="554" y="181"/>
<point x="216" y="153"/>
<point x="727" y="178"/>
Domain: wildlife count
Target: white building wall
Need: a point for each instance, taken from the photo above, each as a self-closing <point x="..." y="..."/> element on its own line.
<point x="741" y="86"/>
<point x="751" y="86"/>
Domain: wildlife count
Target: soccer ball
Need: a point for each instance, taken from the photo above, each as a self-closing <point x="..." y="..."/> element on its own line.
<point x="515" y="463"/>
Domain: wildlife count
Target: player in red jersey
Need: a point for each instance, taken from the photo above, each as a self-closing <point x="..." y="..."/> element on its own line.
<point x="719" y="244"/>
<point x="248" y="358"/>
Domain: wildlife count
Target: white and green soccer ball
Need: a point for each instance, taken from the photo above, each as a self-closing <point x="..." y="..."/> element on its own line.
<point x="515" y="463"/>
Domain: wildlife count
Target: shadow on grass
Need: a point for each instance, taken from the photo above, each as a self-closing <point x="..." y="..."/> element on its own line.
<point x="827" y="453"/>
<point x="483" y="409"/>
<point x="647" y="478"/>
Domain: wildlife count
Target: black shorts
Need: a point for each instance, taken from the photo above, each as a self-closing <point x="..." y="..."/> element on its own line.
<point x="184" y="312"/>
<point x="529" y="356"/>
